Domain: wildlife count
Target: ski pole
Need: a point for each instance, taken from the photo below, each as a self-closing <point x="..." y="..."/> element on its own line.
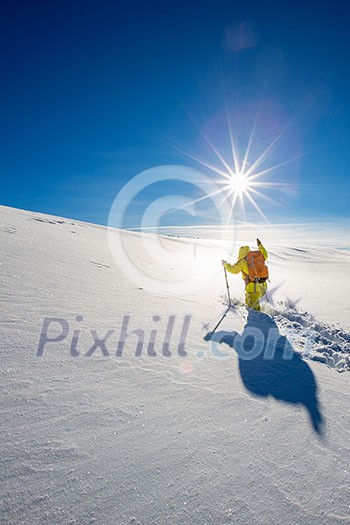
<point x="227" y="287"/>
<point x="230" y="305"/>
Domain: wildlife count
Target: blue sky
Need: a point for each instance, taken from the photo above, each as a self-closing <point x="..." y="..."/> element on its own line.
<point x="95" y="92"/>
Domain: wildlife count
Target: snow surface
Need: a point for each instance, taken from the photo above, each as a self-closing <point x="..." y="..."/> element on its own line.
<point x="206" y="438"/>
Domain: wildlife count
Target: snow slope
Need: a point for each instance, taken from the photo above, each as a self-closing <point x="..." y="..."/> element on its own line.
<point x="204" y="438"/>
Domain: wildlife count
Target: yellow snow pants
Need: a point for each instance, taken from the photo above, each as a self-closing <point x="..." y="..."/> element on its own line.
<point x="254" y="292"/>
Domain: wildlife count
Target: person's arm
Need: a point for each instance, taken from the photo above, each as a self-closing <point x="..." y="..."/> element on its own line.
<point x="233" y="268"/>
<point x="262" y="249"/>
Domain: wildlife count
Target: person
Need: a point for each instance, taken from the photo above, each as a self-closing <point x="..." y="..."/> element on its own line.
<point x="254" y="275"/>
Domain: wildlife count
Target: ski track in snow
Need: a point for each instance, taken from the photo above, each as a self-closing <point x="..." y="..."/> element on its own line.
<point x="315" y="340"/>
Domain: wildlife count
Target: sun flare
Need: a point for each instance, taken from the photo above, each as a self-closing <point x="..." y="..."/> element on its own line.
<point x="240" y="178"/>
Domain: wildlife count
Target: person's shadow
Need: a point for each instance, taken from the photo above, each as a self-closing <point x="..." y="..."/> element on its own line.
<point x="269" y="366"/>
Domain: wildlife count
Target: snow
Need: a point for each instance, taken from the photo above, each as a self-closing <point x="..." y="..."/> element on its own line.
<point x="206" y="438"/>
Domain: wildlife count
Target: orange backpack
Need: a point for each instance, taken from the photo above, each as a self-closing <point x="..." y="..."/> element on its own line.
<point x="256" y="266"/>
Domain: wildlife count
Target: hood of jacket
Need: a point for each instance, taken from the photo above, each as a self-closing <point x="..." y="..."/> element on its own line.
<point x="243" y="251"/>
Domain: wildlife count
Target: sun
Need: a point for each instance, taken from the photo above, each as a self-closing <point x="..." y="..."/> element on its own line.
<point x="238" y="183"/>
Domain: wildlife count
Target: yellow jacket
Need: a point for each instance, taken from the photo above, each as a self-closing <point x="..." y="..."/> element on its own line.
<point x="241" y="265"/>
